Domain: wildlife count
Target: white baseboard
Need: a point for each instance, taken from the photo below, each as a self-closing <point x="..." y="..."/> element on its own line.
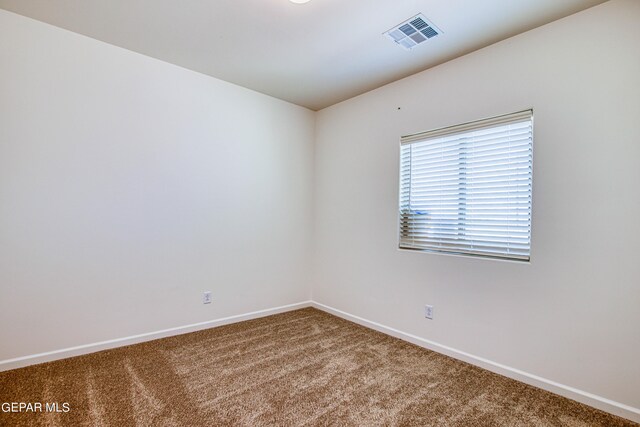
<point x="20" y="362"/>
<point x="587" y="398"/>
<point x="604" y="404"/>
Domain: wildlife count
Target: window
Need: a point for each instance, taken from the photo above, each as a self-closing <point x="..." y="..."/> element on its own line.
<point x="466" y="189"/>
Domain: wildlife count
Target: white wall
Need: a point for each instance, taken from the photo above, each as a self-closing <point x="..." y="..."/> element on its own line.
<point x="128" y="186"/>
<point x="572" y="314"/>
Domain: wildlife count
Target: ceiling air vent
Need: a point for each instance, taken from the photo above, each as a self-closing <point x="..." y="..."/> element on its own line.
<point x="413" y="31"/>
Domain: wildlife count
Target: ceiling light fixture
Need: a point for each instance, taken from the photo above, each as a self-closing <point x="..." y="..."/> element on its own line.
<point x="298" y="1"/>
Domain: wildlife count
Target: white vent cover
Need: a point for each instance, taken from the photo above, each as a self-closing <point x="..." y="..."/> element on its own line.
<point x="413" y="31"/>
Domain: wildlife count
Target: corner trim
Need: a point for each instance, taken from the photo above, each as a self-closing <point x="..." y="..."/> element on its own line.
<point x="590" y="399"/>
<point x="33" y="359"/>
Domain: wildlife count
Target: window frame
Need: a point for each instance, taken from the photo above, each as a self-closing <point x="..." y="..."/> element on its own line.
<point x="486" y="123"/>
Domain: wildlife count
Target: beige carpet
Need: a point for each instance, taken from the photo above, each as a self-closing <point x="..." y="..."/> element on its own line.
<point x="299" y="368"/>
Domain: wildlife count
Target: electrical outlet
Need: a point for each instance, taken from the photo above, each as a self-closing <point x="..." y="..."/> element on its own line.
<point x="206" y="297"/>
<point x="428" y="311"/>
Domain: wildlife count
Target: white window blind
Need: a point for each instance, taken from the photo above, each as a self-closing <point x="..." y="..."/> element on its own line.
<point x="467" y="189"/>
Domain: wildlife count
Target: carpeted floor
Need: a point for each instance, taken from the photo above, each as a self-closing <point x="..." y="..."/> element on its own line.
<point x="300" y="368"/>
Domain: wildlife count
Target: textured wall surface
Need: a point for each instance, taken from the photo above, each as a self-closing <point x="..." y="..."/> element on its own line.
<point x="571" y="315"/>
<point x="128" y="186"/>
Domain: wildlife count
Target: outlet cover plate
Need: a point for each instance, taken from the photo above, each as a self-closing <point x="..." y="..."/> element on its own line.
<point x="206" y="297"/>
<point x="428" y="312"/>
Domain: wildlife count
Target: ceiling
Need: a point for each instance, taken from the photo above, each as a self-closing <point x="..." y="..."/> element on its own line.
<point x="314" y="54"/>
